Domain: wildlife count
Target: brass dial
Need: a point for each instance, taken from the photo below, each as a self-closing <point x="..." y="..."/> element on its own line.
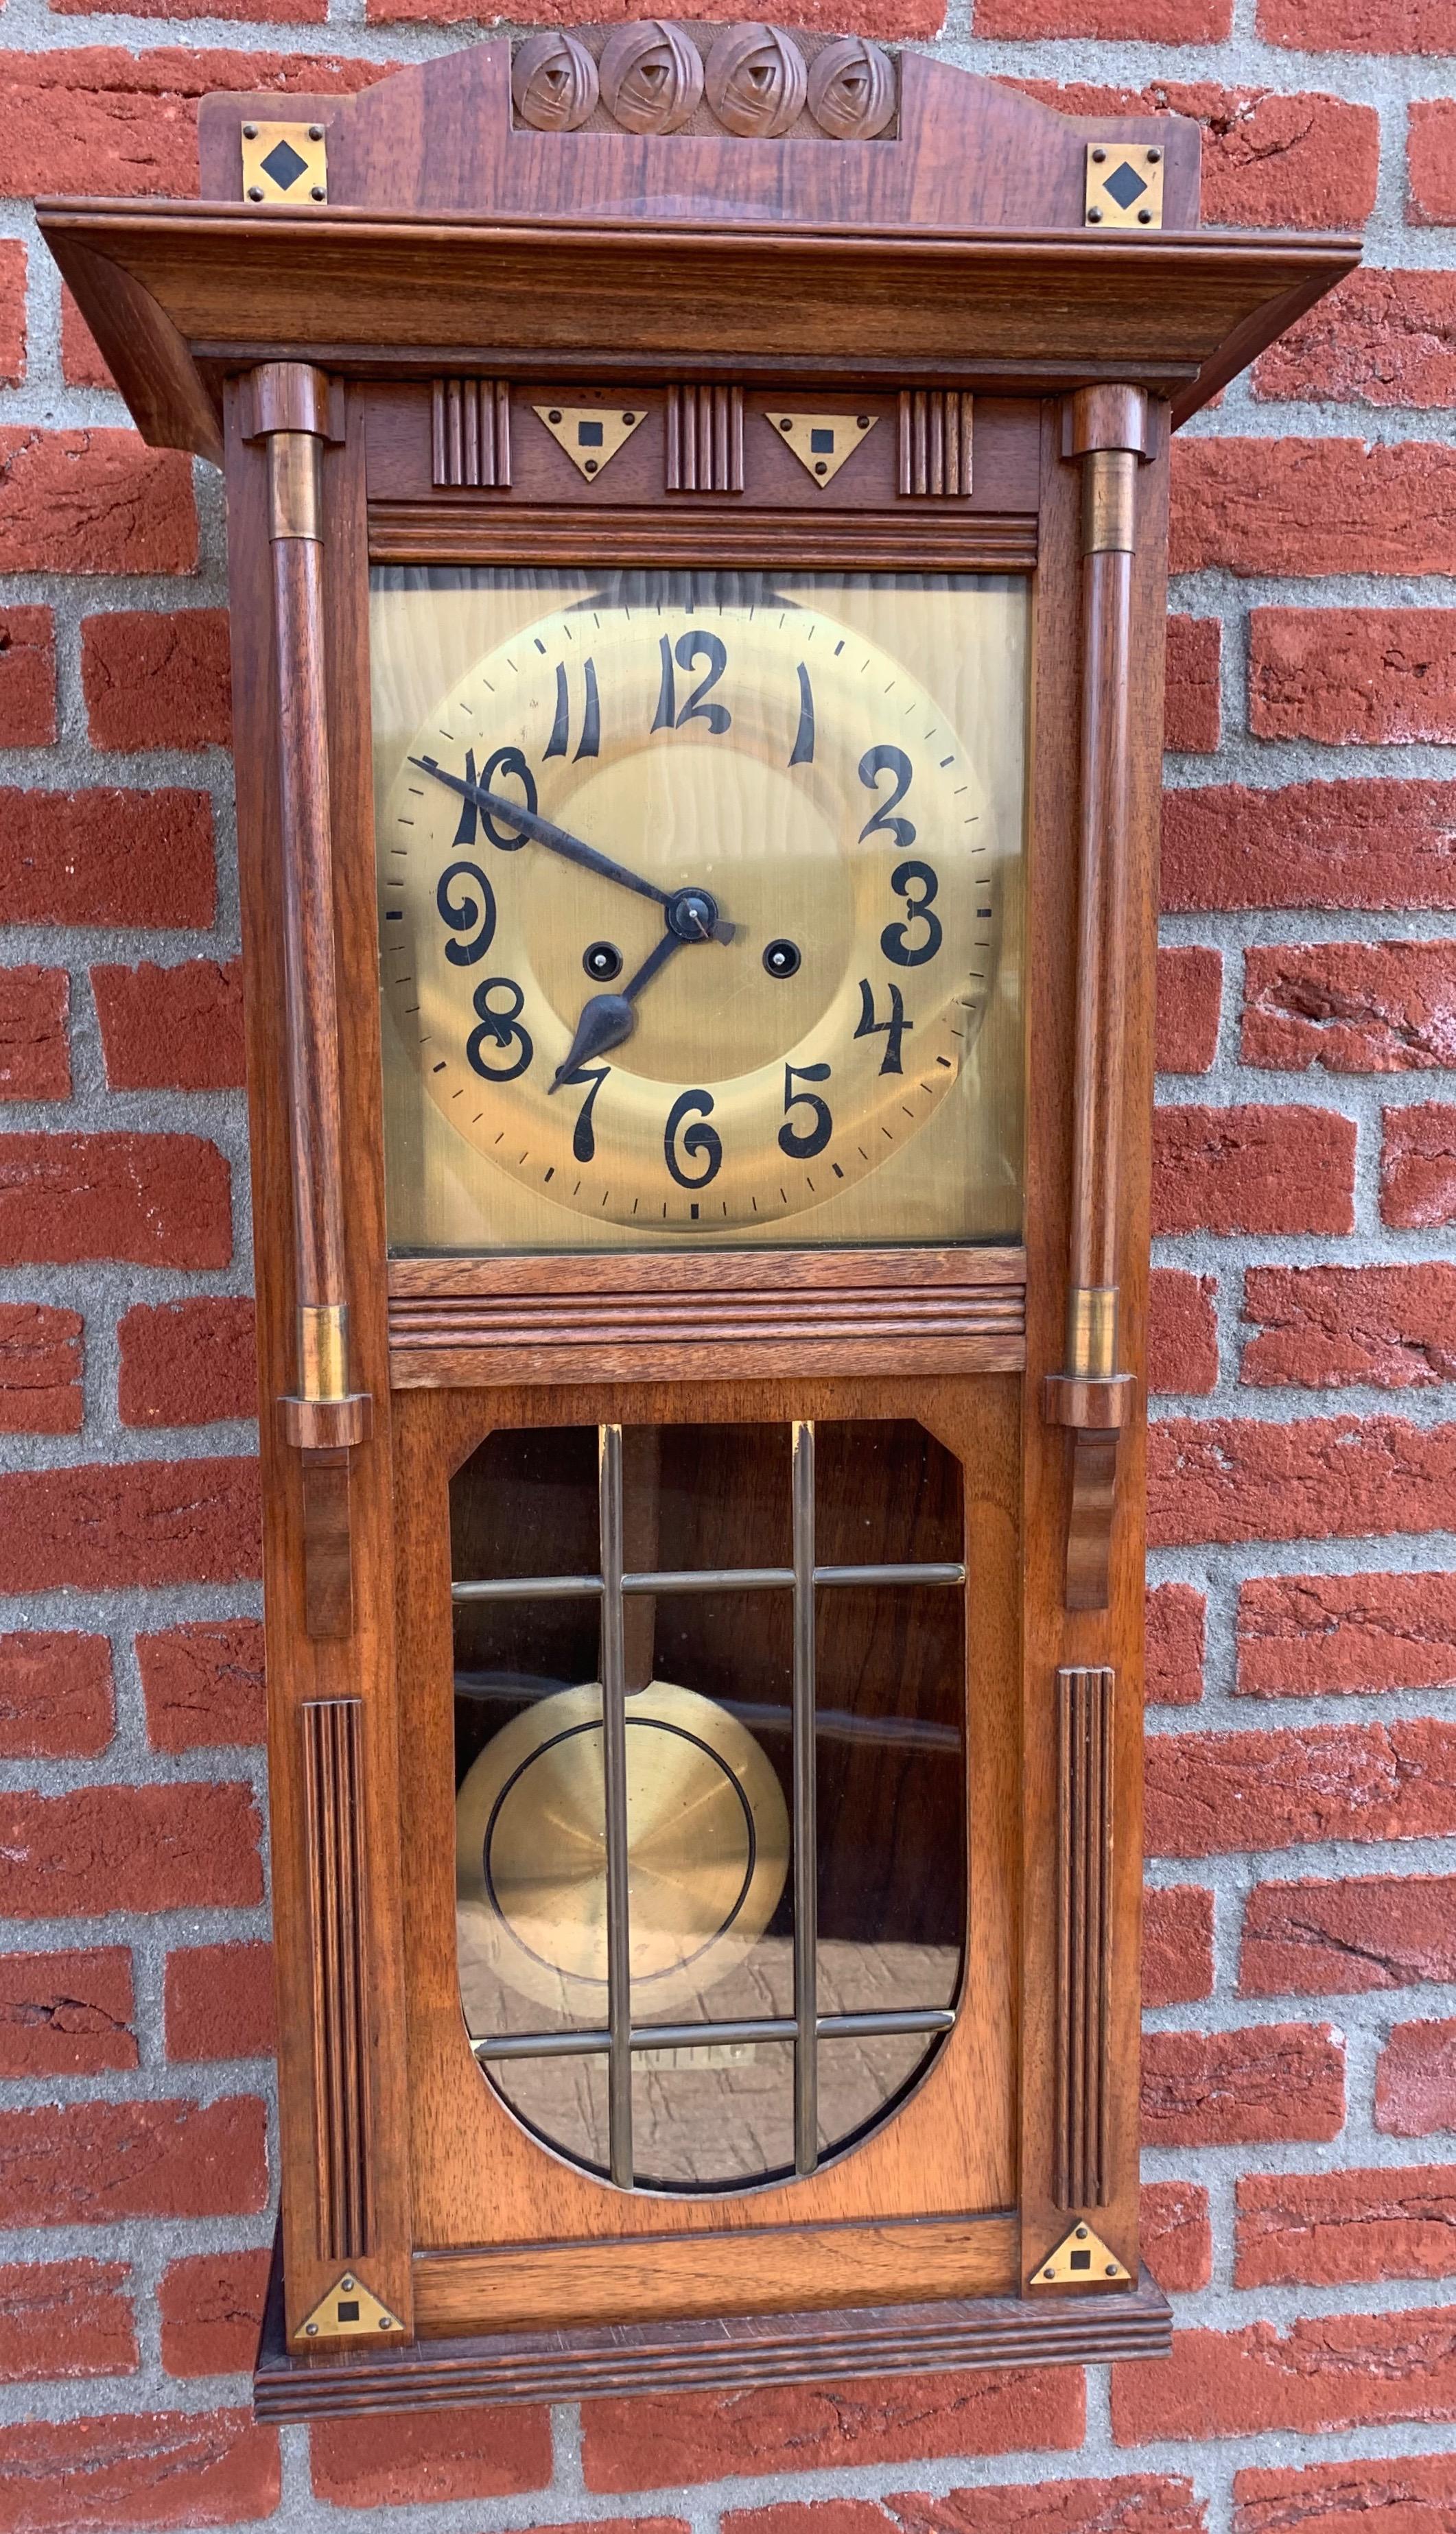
<point x="733" y="957"/>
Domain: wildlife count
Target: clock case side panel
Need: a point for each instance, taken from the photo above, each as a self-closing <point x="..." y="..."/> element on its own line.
<point x="1080" y="2025"/>
<point x="341" y="1687"/>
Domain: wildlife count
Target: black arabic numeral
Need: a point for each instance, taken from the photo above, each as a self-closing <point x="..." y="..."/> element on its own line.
<point x="892" y="1031"/>
<point x="698" y="1142"/>
<point x="591" y="715"/>
<point x="508" y="762"/>
<point x="895" y="762"/>
<point x="917" y="884"/>
<point x="469" y="912"/>
<point x="802" y="1146"/>
<point x="584" y="1135"/>
<point x="502" y="1029"/>
<point x="692" y="648"/>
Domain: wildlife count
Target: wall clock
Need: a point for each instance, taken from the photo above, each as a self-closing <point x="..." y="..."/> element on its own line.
<point x="698" y="532"/>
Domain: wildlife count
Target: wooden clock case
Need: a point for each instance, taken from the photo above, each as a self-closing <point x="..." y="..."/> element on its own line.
<point x="363" y="365"/>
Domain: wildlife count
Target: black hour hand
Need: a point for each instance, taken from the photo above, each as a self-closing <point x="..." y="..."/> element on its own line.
<point x="605" y="1020"/>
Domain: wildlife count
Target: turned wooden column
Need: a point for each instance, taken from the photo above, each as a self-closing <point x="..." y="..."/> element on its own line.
<point x="323" y="1418"/>
<point x="1106" y="432"/>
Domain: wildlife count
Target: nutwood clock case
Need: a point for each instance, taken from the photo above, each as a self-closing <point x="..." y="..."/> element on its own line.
<point x="957" y="262"/>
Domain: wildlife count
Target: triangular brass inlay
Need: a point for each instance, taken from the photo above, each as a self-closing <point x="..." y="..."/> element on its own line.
<point x="821" y="441"/>
<point x="348" y="2309"/>
<point x="591" y="434"/>
<point x="1080" y="2260"/>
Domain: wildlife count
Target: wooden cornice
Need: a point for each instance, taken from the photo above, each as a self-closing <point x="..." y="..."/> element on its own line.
<point x="179" y="294"/>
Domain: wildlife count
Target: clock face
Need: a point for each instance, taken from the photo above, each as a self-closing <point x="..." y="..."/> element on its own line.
<point x="691" y="911"/>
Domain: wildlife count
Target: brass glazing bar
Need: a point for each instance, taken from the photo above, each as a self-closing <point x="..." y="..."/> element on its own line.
<point x="805" y="1828"/>
<point x="589" y="2044"/>
<point x="699" y="1579"/>
<point x="614" y="1764"/>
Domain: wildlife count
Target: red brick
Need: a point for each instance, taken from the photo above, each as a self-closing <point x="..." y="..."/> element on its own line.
<point x="140" y="1522"/>
<point x="93" y="501"/>
<point x="1417" y="1167"/>
<point x="156" y="681"/>
<point x="1333" y="2371"/>
<point x="1208" y="1792"/>
<point x="204" y="1684"/>
<point x="34" y="1049"/>
<point x="90" y="2164"/>
<point x="212" y="2310"/>
<point x="154" y="1200"/>
<point x="27" y="676"/>
<point x="1152" y="21"/>
<point x="1189" y="984"/>
<point x="1375" y="1931"/>
<point x="1378" y="676"/>
<point x="219" y="2003"/>
<point x="55" y="1696"/>
<point x="1415" y="2081"/>
<point x="1408" y="2495"/>
<point x="1253" y="1169"/>
<point x="429" y="2457"/>
<point x="188" y="1363"/>
<point x="658" y="2441"/>
<point x="143" y="2470"/>
<point x="188" y="1846"/>
<point x="1366" y="843"/>
<point x="66" y="2014"/>
<point x="1382" y="338"/>
<point x="1350" y="1006"/>
<point x="1183" y="1335"/>
<point x="297" y="11"/>
<point x="1333" y="2229"/>
<point x="65" y="2318"/>
<point x="1312" y="506"/>
<point x="1270" y="160"/>
<point x="1358" y="25"/>
<point x="1131" y="2506"/>
<point x="1430" y="161"/>
<point x="82" y="363"/>
<point x="1174" y="1645"/>
<point x="99" y="120"/>
<point x="41" y="1366"/>
<point x="12" y="312"/>
<point x="1306" y="1636"/>
<point x="172" y="1029"/>
<point x="1174" y="2234"/>
<point x="1177" y="1944"/>
<point x="1321" y="1477"/>
<point x="1395" y="1326"/>
<point x="902" y="20"/>
<point x="1191" y="711"/>
<point x="1272" y="2081"/>
<point x="106" y="858"/>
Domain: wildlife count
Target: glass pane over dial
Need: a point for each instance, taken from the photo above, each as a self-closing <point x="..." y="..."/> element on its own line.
<point x="699" y="908"/>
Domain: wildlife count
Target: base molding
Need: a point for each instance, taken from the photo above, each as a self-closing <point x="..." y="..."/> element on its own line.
<point x="740" y="2351"/>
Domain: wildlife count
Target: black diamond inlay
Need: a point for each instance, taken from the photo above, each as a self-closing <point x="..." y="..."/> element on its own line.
<point x="1124" y="184"/>
<point x="284" y="166"/>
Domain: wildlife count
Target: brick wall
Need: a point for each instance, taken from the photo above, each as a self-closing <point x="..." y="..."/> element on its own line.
<point x="1300" y="2068"/>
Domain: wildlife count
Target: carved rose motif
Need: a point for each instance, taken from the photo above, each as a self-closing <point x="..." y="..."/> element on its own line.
<point x="852" y="90"/>
<point x="756" y="81"/>
<point x="651" y="76"/>
<point x="553" y="81"/>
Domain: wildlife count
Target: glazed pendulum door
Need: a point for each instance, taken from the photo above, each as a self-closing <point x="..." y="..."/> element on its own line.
<point x="711" y="1807"/>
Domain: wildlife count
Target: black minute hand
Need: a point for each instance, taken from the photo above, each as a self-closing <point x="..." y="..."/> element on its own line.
<point x="542" y="831"/>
